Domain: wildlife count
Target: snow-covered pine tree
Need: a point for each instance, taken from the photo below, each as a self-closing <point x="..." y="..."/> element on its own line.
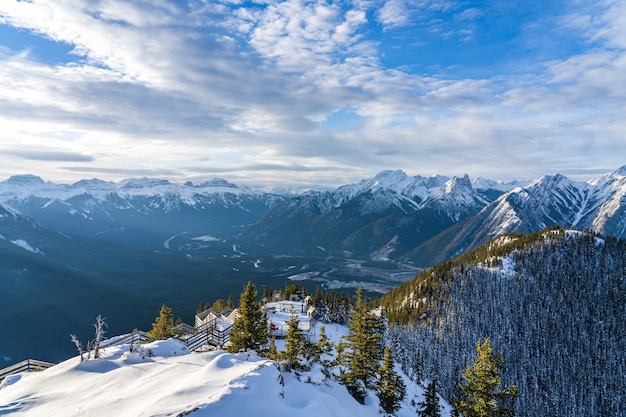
<point x="324" y="345"/>
<point x="293" y="343"/>
<point x="272" y="352"/>
<point x="99" y="326"/>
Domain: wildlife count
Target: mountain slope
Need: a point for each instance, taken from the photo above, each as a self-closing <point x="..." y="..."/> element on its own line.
<point x="375" y="218"/>
<point x="551" y="301"/>
<point x="599" y="205"/>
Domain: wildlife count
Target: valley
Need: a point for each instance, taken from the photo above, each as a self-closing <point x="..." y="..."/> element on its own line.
<point x="71" y="252"/>
<point x="42" y="305"/>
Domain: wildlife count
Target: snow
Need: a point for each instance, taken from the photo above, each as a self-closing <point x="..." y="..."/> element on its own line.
<point x="206" y="238"/>
<point x="21" y="187"/>
<point x="25" y="245"/>
<point x="164" y="378"/>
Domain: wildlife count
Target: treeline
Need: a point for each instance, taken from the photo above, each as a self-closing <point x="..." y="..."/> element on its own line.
<point x="360" y="361"/>
<point x="330" y="306"/>
<point x="554" y="302"/>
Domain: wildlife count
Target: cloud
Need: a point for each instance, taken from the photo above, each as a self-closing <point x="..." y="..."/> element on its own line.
<point x="32" y="155"/>
<point x="251" y="89"/>
<point x="123" y="172"/>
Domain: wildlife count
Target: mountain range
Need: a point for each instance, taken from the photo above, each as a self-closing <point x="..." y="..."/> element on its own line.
<point x="391" y="216"/>
<point x="141" y="213"/>
<point x="428" y="220"/>
<point x="598" y="204"/>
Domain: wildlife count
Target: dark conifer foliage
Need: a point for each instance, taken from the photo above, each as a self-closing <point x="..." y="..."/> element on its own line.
<point x="364" y="349"/>
<point x="554" y="302"/>
<point x="163" y="326"/>
<point x="482" y="380"/>
<point x="430" y="406"/>
<point x="294" y="343"/>
<point x="249" y="329"/>
<point x="391" y="389"/>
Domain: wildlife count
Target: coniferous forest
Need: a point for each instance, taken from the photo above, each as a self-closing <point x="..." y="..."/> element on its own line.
<point x="553" y="303"/>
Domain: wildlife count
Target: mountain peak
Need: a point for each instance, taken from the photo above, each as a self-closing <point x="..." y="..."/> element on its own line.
<point x="389" y="177"/>
<point x="549" y="181"/>
<point x="215" y="182"/>
<point x="25" y="179"/>
<point x="143" y="182"/>
<point x="621" y="171"/>
<point x="91" y="183"/>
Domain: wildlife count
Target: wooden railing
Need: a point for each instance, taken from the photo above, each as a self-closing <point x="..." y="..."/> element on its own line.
<point x="137" y="337"/>
<point x="209" y="333"/>
<point x="29" y="365"/>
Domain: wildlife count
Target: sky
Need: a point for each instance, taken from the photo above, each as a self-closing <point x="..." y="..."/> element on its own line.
<point x="298" y="92"/>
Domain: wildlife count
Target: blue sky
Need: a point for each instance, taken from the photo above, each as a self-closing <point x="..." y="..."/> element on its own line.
<point x="311" y="92"/>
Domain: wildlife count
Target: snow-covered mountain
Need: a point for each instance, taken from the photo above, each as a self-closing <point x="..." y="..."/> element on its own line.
<point x="599" y="204"/>
<point x="140" y="212"/>
<point x="391" y="212"/>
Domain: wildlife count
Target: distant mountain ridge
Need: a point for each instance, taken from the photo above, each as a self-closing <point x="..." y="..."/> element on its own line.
<point x="374" y="218"/>
<point x="391" y="216"/>
<point x="598" y="204"/>
<point x="140" y="212"/>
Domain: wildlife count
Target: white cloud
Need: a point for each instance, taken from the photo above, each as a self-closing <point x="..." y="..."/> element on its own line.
<point x="212" y="86"/>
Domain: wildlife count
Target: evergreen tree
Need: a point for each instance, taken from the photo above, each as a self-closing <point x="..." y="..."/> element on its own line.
<point x="249" y="330"/>
<point x="430" y="406"/>
<point x="391" y="389"/>
<point x="323" y="346"/>
<point x="481" y="381"/>
<point x="363" y="349"/>
<point x="219" y="305"/>
<point x="294" y="343"/>
<point x="272" y="352"/>
<point x="163" y="326"/>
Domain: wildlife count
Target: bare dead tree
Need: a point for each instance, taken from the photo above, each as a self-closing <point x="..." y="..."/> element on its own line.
<point x="79" y="346"/>
<point x="99" y="325"/>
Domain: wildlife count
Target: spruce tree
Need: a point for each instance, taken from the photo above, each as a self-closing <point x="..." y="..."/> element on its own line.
<point x="249" y="330"/>
<point x="163" y="326"/>
<point x="391" y="389"/>
<point x="483" y="399"/>
<point x="363" y="349"/>
<point x="272" y="352"/>
<point x="294" y="343"/>
<point x="323" y="346"/>
<point x="430" y="406"/>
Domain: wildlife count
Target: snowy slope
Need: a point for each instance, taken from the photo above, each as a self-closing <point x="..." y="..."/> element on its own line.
<point x="599" y="204"/>
<point x="164" y="379"/>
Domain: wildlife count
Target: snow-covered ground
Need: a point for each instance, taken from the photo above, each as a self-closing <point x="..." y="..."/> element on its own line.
<point x="164" y="379"/>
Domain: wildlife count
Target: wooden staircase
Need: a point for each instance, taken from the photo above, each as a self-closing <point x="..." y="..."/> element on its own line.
<point x="207" y="334"/>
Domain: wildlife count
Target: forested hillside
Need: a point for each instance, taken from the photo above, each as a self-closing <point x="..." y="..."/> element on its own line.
<point x="553" y="302"/>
